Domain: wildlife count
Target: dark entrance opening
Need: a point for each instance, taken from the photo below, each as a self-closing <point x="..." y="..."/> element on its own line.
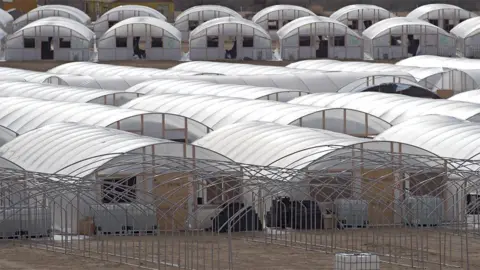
<point x="47" y="50"/>
<point x="322" y="50"/>
<point x="413" y="45"/>
<point x="141" y="54"/>
<point x="232" y="53"/>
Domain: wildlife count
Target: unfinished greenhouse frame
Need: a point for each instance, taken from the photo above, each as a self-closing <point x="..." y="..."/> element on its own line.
<point x="230" y="38"/>
<point x="361" y="16"/>
<point x="192" y="17"/>
<point x="402" y="37"/>
<point x="468" y="37"/>
<point x="319" y="37"/>
<point x="123" y="12"/>
<point x="273" y="18"/>
<point x="140" y="38"/>
<point x="445" y="16"/>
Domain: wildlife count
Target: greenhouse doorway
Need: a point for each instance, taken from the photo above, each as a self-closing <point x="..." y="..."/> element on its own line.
<point x="322" y="49"/>
<point x="139" y="48"/>
<point x="413" y="45"/>
<point x="47" y="52"/>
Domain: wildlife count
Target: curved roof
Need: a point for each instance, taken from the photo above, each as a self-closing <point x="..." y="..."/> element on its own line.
<point x="392" y="108"/>
<point x="445" y="136"/>
<point x="109" y="83"/>
<point x="151" y="21"/>
<point x="202" y="28"/>
<point x="54" y="93"/>
<point x="5" y="18"/>
<point x="147" y="11"/>
<point x="6" y="135"/>
<point x="337" y="15"/>
<point x="472" y="96"/>
<point x="77" y="149"/>
<point x="24" y="114"/>
<point x="215" y="112"/>
<point x="423" y="10"/>
<point x="304" y="21"/>
<point x="54" y="11"/>
<point x="467" y="28"/>
<point x="27" y="75"/>
<point x="71" y="25"/>
<point x="191" y="87"/>
<point x="384" y="25"/>
<point x="105" y="70"/>
<point x="275" y="8"/>
<point x="233" y="68"/>
<point x="439" y="61"/>
<point x="203" y="8"/>
<point x="270" y="144"/>
<point x="408" y="89"/>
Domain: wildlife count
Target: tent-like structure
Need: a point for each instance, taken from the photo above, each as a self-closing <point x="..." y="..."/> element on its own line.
<point x="319" y="37"/>
<point x="274" y="17"/>
<point x="123" y="12"/>
<point x="465" y="64"/>
<point x="192" y="17"/>
<point x="64" y="93"/>
<point x="401" y="37"/>
<point x="359" y="17"/>
<point x="393" y="109"/>
<point x="444" y="16"/>
<point x="468" y="37"/>
<point x="140" y="37"/>
<point x="52" y="38"/>
<point x="230" y="38"/>
<point x="472" y="96"/>
<point x="233" y="68"/>
<point x="191" y="87"/>
<point x="51" y="11"/>
<point x="215" y="112"/>
<point x="6" y="22"/>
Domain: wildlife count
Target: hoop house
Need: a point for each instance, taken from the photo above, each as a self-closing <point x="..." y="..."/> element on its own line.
<point x="120" y="13"/>
<point x="402" y="37"/>
<point x="360" y="17"/>
<point x="275" y="17"/>
<point x="233" y="68"/>
<point x="230" y="38"/>
<point x="319" y="37"/>
<point x="468" y="37"/>
<point x="6" y="22"/>
<point x="191" y="18"/>
<point x="215" y="112"/>
<point x="46" y="11"/>
<point x="52" y="38"/>
<point x="444" y="16"/>
<point x="142" y="37"/>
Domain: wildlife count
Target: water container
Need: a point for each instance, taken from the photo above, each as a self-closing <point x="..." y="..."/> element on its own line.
<point x="352" y="213"/>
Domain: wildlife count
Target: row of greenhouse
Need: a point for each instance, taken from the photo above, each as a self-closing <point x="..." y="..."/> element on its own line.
<point x="215" y="32"/>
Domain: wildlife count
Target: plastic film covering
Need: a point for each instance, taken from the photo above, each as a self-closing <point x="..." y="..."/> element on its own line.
<point x="215" y="112"/>
<point x="191" y="87"/>
<point x="68" y="28"/>
<point x="205" y="13"/>
<point x="467" y="28"/>
<point x="434" y="11"/>
<point x="6" y="21"/>
<point x="234" y="69"/>
<point x="393" y="109"/>
<point x="110" y="83"/>
<point x="281" y="12"/>
<point x="64" y="93"/>
<point x="6" y="135"/>
<point x="395" y="24"/>
<point x="27" y="75"/>
<point x="138" y="26"/>
<point x="472" y="96"/>
<point x="361" y="11"/>
<point x="77" y="149"/>
<point x="439" y="61"/>
<point x="322" y="25"/>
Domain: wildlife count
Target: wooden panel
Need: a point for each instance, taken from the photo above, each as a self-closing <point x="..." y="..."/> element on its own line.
<point x="445" y="93"/>
<point x="172" y="213"/>
<point x="378" y="190"/>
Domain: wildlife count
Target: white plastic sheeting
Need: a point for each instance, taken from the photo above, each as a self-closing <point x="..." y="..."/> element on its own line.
<point x="442" y="15"/>
<point x="274" y="17"/>
<point x="120" y="13"/>
<point x="191" y="87"/>
<point x="392" y="108"/>
<point x="192" y="17"/>
<point x="445" y="136"/>
<point x="472" y="96"/>
<point x="468" y="37"/>
<point x="230" y="38"/>
<point x="161" y="40"/>
<point x="438" y="61"/>
<point x="215" y="112"/>
<point x="233" y="68"/>
<point x="389" y="39"/>
<point x="51" y="11"/>
<point x="116" y="82"/>
<point x="319" y="37"/>
<point x="7" y="74"/>
<point x="361" y="16"/>
<point x="105" y="70"/>
<point x="56" y="31"/>
<point x="6" y="21"/>
<point x="6" y="135"/>
<point x="64" y="93"/>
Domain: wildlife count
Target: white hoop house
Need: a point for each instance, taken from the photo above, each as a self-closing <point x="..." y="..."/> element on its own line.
<point x="319" y="37"/>
<point x="189" y="19"/>
<point x="230" y="38"/>
<point x="444" y="16"/>
<point x="6" y="22"/>
<point x="275" y="17"/>
<point x="468" y="37"/>
<point x="51" y="11"/>
<point x="142" y="37"/>
<point x="360" y="17"/>
<point x="120" y="13"/>
<point x="53" y="38"/>
<point x="402" y="37"/>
